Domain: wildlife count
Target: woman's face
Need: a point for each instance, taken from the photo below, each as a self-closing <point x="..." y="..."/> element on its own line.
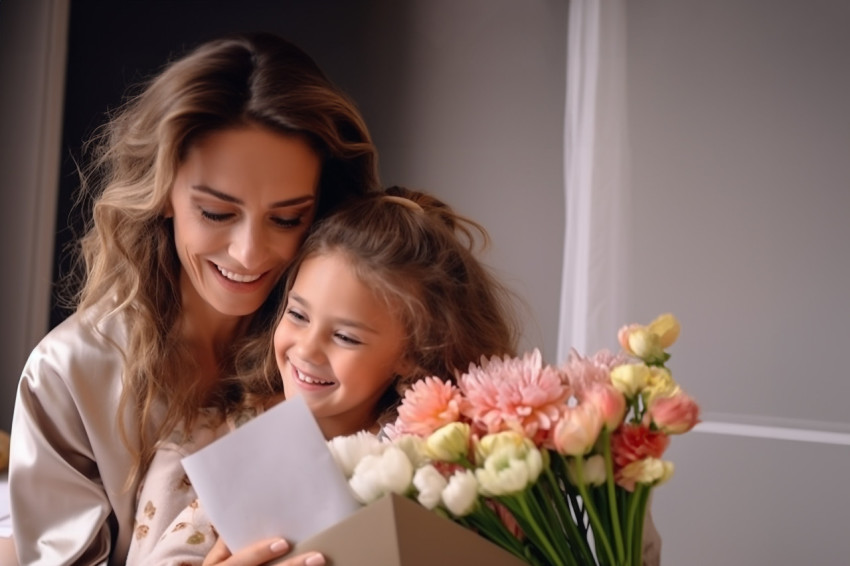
<point x="241" y="203"/>
<point x="338" y="345"/>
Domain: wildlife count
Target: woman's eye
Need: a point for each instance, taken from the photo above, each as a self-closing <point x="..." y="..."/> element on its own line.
<point x="287" y="222"/>
<point x="216" y="216"/>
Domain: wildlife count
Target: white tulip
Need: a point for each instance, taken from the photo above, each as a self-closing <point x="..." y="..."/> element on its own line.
<point x="461" y="494"/>
<point x="347" y="451"/>
<point x="430" y="483"/>
<point x="377" y="475"/>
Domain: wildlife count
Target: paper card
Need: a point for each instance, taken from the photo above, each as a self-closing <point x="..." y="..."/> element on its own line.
<point x="272" y="477"/>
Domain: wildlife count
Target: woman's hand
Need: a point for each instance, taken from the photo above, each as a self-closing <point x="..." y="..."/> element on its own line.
<point x="260" y="553"/>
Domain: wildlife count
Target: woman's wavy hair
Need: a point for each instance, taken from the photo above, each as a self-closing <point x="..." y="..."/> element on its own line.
<point x="419" y="257"/>
<point x="127" y="252"/>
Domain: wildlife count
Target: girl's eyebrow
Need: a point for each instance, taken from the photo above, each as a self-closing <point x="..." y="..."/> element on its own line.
<point x="230" y="198"/>
<point x="343" y="321"/>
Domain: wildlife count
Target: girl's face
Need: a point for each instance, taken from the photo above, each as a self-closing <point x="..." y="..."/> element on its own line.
<point x="337" y="345"/>
<point x="242" y="201"/>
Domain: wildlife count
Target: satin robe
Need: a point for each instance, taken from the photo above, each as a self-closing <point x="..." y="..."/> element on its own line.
<point x="69" y="466"/>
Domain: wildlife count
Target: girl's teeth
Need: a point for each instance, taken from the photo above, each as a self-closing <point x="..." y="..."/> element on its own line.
<point x="308" y="379"/>
<point x="237" y="277"/>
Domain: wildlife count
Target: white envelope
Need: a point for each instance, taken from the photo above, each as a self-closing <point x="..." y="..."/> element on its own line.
<point x="272" y="477"/>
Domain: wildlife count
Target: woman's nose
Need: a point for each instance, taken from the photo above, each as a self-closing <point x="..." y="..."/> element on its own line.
<point x="248" y="245"/>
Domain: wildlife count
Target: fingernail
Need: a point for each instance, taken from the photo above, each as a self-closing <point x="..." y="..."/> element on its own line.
<point x="279" y="546"/>
<point x="315" y="560"/>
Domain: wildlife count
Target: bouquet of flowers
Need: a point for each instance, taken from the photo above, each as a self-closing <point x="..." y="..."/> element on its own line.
<point x="553" y="464"/>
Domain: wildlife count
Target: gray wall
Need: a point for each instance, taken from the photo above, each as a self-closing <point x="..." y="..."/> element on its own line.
<point x="32" y="70"/>
<point x="741" y="179"/>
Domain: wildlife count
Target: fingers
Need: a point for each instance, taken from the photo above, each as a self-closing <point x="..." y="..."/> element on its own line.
<point x="218" y="554"/>
<point x="260" y="553"/>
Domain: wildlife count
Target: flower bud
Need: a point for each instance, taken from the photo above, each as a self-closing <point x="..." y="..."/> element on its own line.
<point x="593" y="470"/>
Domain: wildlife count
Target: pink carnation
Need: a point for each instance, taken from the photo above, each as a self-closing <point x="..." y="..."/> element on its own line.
<point x="584" y="372"/>
<point x="632" y="442"/>
<point x="518" y="394"/>
<point x="429" y="404"/>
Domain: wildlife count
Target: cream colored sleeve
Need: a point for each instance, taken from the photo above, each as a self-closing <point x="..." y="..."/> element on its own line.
<point x="68" y="466"/>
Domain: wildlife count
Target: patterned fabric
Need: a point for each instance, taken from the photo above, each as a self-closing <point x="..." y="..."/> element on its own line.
<point x="171" y="527"/>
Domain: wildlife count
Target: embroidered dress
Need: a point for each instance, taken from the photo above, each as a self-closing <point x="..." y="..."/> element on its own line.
<point x="171" y="528"/>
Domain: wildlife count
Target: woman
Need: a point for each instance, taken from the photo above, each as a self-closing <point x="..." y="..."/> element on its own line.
<point x="204" y="186"/>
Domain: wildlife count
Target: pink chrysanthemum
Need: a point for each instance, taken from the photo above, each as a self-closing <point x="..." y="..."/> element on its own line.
<point x="429" y="404"/>
<point x="583" y="372"/>
<point x="518" y="394"/>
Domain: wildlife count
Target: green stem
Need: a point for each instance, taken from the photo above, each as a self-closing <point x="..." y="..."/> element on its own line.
<point x="579" y="538"/>
<point x="543" y="539"/>
<point x="599" y="533"/>
<point x="637" y="521"/>
<point x="490" y="526"/>
<point x="543" y="505"/>
<point x="612" y="495"/>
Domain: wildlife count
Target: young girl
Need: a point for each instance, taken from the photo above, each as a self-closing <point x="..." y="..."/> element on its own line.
<point x="383" y="293"/>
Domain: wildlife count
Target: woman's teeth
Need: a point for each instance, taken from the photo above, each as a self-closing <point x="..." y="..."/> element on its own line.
<point x="237" y="277"/>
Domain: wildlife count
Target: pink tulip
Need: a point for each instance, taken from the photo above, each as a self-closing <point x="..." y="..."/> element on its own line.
<point x="577" y="430"/>
<point x="610" y="402"/>
<point x="674" y="415"/>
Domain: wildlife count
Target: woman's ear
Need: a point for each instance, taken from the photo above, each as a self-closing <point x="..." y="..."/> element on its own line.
<point x="168" y="211"/>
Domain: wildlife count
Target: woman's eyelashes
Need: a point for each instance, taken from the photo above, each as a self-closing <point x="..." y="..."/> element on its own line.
<point x="279" y="221"/>
<point x="216" y="216"/>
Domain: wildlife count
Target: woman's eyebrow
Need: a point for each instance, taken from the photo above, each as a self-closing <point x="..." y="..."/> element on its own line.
<point x="230" y="198"/>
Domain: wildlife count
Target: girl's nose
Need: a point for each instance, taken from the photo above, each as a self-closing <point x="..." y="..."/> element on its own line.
<point x="309" y="347"/>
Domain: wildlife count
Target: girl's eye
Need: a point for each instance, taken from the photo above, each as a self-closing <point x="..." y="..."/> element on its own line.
<point x="349" y="340"/>
<point x="295" y="315"/>
<point x="215" y="216"/>
<point x="287" y="222"/>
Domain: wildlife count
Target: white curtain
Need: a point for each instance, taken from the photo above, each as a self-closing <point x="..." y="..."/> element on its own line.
<point x="596" y="180"/>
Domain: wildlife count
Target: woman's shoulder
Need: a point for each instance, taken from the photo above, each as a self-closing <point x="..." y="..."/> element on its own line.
<point x="85" y="346"/>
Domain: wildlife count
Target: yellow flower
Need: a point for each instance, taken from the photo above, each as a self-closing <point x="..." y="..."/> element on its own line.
<point x="659" y="384"/>
<point x="630" y="379"/>
<point x="448" y="443"/>
<point x="497" y="442"/>
<point x="666" y="327"/>
<point x="593" y="468"/>
<point x="648" y="471"/>
<point x="645" y="344"/>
